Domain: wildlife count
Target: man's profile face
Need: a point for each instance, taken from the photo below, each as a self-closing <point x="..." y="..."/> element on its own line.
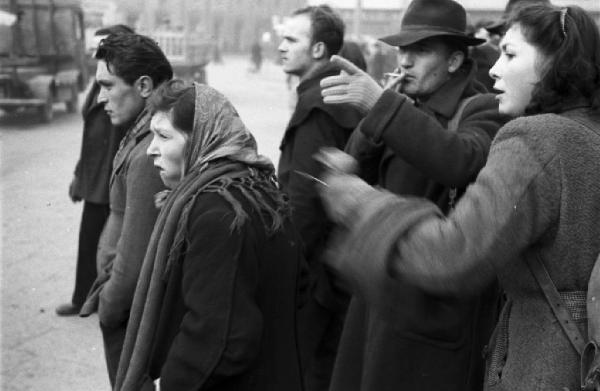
<point x="426" y="64"/>
<point x="295" y="49"/>
<point x="122" y="102"/>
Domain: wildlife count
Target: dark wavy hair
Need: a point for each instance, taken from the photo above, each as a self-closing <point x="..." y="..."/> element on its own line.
<point x="571" y="74"/>
<point x="131" y="56"/>
<point x="178" y="99"/>
<point x="326" y="26"/>
<point x="115" y="29"/>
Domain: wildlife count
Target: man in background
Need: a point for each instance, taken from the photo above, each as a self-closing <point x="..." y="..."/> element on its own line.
<point x="310" y="37"/>
<point x="100" y="141"/>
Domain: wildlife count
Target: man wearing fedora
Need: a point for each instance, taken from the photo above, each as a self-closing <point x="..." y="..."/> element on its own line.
<point x="428" y="139"/>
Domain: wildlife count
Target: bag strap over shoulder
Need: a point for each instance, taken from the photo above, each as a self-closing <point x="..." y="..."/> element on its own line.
<point x="556" y="303"/>
<point x="590" y="359"/>
<point x="452" y="126"/>
<point x="453" y="123"/>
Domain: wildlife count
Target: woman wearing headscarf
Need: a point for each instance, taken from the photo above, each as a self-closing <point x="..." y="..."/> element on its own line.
<point x="534" y="208"/>
<point x="215" y="303"/>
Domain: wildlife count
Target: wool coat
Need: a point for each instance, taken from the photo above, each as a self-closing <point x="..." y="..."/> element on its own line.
<point x="428" y="341"/>
<point x="228" y="319"/>
<point x="123" y="244"/>
<point x="315" y="125"/>
<point x="134" y="182"/>
<point x="537" y="196"/>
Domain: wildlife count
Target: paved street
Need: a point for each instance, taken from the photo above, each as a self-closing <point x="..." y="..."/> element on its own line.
<point x="41" y="351"/>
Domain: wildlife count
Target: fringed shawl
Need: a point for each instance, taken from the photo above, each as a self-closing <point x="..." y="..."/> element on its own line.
<point x="220" y="155"/>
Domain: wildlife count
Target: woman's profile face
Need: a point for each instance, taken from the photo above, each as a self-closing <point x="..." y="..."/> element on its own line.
<point x="516" y="72"/>
<point x="166" y="149"/>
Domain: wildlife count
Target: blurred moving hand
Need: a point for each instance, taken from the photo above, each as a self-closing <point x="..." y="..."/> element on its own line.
<point x="352" y="86"/>
<point x="344" y="192"/>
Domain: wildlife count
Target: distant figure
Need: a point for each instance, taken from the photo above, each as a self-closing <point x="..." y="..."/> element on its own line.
<point x="99" y="143"/>
<point x="484" y="55"/>
<point x="217" y="57"/>
<point x="498" y="27"/>
<point x="256" y="56"/>
<point x="377" y="65"/>
<point x="352" y="51"/>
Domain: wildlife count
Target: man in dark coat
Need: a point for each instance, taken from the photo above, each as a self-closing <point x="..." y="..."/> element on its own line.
<point x="311" y="35"/>
<point x="429" y="139"/>
<point x="99" y="143"/>
<point x="130" y="67"/>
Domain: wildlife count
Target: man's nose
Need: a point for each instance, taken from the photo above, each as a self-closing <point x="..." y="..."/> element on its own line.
<point x="405" y="60"/>
<point x="102" y="96"/>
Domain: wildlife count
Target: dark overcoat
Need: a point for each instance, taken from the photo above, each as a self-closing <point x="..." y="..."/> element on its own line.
<point x="413" y="340"/>
<point x="228" y="319"/>
<point x="313" y="125"/>
<point x="100" y="141"/>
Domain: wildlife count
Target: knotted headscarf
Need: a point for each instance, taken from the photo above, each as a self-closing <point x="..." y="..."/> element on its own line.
<point x="220" y="154"/>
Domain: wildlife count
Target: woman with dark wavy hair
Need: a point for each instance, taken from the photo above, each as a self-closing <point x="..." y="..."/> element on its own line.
<point x="534" y="208"/>
<point x="215" y="303"/>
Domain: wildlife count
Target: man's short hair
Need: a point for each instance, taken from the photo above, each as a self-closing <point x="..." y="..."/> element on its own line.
<point x="115" y="29"/>
<point x="130" y="56"/>
<point x="326" y="26"/>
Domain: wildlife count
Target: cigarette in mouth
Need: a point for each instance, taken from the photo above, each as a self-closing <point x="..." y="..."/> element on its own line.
<point x="402" y="76"/>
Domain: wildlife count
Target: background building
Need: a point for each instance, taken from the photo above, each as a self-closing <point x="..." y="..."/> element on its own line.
<point x="376" y="18"/>
<point x="233" y="25"/>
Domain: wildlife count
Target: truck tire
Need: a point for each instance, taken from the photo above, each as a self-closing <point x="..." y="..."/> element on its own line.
<point x="73" y="104"/>
<point x="46" y="112"/>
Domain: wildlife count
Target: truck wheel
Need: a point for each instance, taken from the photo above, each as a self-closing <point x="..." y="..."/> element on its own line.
<point x="73" y="104"/>
<point x="46" y="112"/>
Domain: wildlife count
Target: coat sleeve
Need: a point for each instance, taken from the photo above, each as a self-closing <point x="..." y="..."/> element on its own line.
<point x="450" y="158"/>
<point x="317" y="131"/>
<point x="514" y="201"/>
<point x="367" y="153"/>
<point x="142" y="183"/>
<point x="220" y="334"/>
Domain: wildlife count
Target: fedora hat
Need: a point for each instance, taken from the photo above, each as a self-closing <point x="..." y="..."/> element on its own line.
<point x="499" y="25"/>
<point x="432" y="18"/>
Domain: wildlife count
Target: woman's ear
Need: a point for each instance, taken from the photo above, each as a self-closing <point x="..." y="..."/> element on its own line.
<point x="145" y="86"/>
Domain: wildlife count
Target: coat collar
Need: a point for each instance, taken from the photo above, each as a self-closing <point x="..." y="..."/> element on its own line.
<point x="446" y="99"/>
<point x="309" y="99"/>
<point x="91" y="100"/>
<point x="328" y="69"/>
<point x="138" y="131"/>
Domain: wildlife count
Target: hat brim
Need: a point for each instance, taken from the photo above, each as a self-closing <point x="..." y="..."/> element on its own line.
<point x="496" y="27"/>
<point x="405" y="38"/>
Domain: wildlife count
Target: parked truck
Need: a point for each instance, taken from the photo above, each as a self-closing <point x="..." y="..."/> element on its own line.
<point x="42" y="56"/>
<point x="188" y="53"/>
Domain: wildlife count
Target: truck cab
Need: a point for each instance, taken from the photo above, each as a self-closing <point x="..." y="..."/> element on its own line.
<point x="43" y="60"/>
